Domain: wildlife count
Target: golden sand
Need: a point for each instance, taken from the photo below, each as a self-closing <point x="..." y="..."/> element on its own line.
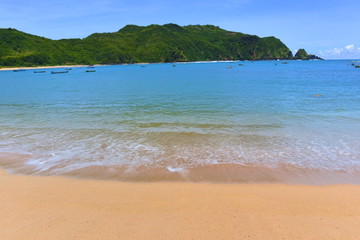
<point x="43" y="67"/>
<point x="62" y="208"/>
<point x="60" y="66"/>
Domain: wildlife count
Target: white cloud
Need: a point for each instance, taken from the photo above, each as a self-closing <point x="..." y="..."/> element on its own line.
<point x="348" y="52"/>
<point x="350" y="47"/>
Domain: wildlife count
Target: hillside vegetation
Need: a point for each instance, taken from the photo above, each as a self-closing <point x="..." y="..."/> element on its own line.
<point x="301" y="54"/>
<point x="134" y="44"/>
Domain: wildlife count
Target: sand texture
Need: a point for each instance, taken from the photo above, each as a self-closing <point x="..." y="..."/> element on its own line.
<point x="45" y="208"/>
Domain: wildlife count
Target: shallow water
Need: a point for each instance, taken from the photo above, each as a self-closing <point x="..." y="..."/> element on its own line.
<point x="264" y="121"/>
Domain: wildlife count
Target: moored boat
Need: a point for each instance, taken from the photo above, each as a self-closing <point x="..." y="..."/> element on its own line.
<point x="54" y="72"/>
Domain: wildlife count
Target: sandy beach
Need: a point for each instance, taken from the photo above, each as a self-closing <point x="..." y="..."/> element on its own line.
<point x="63" y="208"/>
<point x="42" y="67"/>
<point x="74" y="66"/>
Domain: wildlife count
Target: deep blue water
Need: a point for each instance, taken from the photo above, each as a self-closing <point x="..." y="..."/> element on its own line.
<point x="305" y="114"/>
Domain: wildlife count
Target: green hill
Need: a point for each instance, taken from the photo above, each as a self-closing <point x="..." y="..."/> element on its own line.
<point x="303" y="55"/>
<point x="132" y="44"/>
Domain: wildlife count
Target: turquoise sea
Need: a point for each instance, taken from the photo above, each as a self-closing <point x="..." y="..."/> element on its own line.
<point x="247" y="121"/>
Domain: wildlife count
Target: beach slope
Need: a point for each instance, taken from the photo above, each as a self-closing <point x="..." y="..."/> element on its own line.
<point x="61" y="208"/>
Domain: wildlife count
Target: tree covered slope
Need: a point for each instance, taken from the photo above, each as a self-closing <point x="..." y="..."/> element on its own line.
<point x="131" y="44"/>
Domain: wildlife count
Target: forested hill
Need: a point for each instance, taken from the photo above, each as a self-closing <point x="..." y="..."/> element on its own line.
<point x="132" y="44"/>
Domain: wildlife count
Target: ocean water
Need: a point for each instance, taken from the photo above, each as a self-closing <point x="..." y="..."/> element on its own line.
<point x="257" y="122"/>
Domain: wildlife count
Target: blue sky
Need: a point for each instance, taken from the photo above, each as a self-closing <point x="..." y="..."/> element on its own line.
<point x="328" y="28"/>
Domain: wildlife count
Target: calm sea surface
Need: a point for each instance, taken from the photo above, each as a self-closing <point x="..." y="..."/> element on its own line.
<point x="263" y="121"/>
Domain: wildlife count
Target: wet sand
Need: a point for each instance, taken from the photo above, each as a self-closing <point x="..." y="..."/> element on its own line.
<point x="63" y="208"/>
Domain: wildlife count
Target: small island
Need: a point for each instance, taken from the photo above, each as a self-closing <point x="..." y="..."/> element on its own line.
<point x="301" y="54"/>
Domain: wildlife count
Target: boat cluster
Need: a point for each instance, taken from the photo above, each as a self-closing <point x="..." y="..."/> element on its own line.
<point x="66" y="70"/>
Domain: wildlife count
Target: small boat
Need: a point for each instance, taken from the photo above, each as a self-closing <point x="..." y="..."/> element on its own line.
<point x="39" y="71"/>
<point x="353" y="63"/>
<point x="174" y="65"/>
<point x="19" y="70"/>
<point x="54" y="72"/>
<point x="284" y="62"/>
<point x="228" y="67"/>
<point x="357" y="66"/>
<point x="90" y="66"/>
<point x="90" y="71"/>
<point x="68" y="68"/>
<point x="241" y="64"/>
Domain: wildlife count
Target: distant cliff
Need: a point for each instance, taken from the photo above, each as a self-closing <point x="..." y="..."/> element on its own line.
<point x="133" y="44"/>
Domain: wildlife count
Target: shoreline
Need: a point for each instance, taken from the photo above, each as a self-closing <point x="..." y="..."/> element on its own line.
<point x="36" y="207"/>
<point x="98" y="65"/>
<point x="43" y="67"/>
<point x="143" y="63"/>
<point x="16" y="163"/>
